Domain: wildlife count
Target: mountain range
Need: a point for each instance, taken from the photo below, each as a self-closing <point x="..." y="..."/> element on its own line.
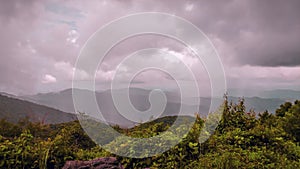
<point x="55" y="107"/>
<point x="13" y="110"/>
<point x="286" y="94"/>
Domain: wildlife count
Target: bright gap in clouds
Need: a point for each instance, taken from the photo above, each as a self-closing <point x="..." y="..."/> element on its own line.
<point x="49" y="79"/>
<point x="172" y="56"/>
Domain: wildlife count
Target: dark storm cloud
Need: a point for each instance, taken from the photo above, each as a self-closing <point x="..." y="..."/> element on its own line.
<point x="254" y="32"/>
<point x="275" y="34"/>
<point x="262" y="33"/>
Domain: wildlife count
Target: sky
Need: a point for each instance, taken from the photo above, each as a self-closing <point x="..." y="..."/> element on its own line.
<point x="258" y="43"/>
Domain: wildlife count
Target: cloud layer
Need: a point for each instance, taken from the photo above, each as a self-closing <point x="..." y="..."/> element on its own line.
<point x="258" y="41"/>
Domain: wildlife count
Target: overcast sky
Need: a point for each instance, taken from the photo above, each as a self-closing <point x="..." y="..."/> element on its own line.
<point x="258" y="42"/>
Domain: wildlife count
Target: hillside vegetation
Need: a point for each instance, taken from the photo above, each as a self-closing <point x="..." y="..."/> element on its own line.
<point x="241" y="140"/>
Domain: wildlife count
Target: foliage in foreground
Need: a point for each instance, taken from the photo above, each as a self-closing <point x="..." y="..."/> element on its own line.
<point x="241" y="140"/>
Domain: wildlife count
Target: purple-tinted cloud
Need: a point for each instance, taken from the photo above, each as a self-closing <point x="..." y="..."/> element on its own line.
<point x="42" y="39"/>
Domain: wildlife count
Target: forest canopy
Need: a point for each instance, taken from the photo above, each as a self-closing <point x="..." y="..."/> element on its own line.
<point x="241" y="140"/>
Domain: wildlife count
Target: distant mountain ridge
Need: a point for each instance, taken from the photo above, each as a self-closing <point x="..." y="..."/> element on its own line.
<point x="281" y="93"/>
<point x="8" y="95"/>
<point x="38" y="106"/>
<point x="13" y="110"/>
<point x="259" y="104"/>
<point x="286" y="94"/>
<point x="139" y="98"/>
